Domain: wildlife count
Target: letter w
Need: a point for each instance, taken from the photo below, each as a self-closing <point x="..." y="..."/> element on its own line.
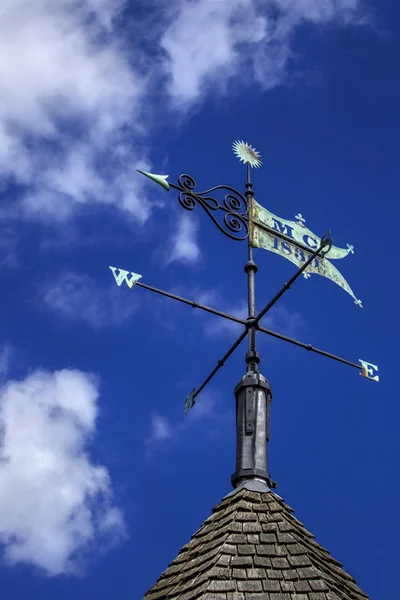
<point x="123" y="276"/>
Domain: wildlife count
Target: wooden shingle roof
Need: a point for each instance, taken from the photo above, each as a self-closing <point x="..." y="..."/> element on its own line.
<point x="253" y="548"/>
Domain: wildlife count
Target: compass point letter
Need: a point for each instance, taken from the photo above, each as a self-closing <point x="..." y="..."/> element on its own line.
<point x="367" y="370"/>
<point x="123" y="276"/>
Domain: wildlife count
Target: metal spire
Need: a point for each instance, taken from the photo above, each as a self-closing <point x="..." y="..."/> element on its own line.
<point x="253" y="392"/>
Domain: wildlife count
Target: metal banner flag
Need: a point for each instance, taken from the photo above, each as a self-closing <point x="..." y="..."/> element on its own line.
<point x="295" y="242"/>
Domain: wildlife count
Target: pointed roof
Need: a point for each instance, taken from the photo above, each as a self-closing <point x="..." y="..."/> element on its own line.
<point x="253" y="548"/>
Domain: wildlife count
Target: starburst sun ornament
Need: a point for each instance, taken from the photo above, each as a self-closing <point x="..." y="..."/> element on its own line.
<point x="247" y="154"/>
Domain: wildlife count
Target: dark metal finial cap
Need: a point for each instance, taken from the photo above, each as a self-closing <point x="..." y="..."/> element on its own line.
<point x="253" y="397"/>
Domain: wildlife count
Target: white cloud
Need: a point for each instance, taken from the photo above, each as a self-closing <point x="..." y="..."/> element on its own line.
<point x="184" y="246"/>
<point x="5" y="353"/>
<point x="217" y="326"/>
<point x="281" y="320"/>
<point x="8" y="248"/>
<point x="69" y="92"/>
<point x="54" y="502"/>
<point x="78" y="298"/>
<point x="278" y="319"/>
<point x="163" y="431"/>
<point x="83" y="86"/>
<point x="205" y="408"/>
<point x="321" y="11"/>
<point x="211" y="41"/>
<point x="77" y="86"/>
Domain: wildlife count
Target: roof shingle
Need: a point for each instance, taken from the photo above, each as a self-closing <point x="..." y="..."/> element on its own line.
<point x="253" y="548"/>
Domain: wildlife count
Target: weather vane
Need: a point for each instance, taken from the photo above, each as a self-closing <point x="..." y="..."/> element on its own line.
<point x="240" y="217"/>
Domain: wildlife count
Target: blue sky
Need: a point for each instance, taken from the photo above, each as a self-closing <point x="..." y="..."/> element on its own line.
<point x="102" y="477"/>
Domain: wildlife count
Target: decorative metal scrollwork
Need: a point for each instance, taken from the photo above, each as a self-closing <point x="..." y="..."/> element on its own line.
<point x="326" y="243"/>
<point x="235" y="206"/>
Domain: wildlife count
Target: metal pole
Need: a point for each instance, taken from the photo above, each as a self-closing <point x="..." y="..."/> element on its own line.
<point x="253" y="392"/>
<point x="252" y="357"/>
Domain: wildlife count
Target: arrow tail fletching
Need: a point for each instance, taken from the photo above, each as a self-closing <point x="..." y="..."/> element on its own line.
<point x="189" y="401"/>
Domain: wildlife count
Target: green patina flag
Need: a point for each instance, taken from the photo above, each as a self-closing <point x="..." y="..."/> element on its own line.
<point x="295" y="242"/>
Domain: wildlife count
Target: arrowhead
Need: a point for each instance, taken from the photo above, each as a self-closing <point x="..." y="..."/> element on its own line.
<point x="160" y="179"/>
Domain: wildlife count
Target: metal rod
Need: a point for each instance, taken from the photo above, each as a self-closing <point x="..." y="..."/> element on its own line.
<point x="286" y="286"/>
<point x="221" y="363"/>
<point x="275" y="334"/>
<point x="309" y="347"/>
<point x="251" y="297"/>
<point x="192" y="303"/>
<point x="253" y="323"/>
<point x="280" y="336"/>
<point x="251" y="269"/>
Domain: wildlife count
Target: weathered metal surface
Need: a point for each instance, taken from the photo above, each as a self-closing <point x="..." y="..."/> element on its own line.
<point x="160" y="179"/>
<point x="189" y="401"/>
<point x="295" y="231"/>
<point x="123" y="276"/>
<point x="253" y="397"/>
<point x="247" y="154"/>
<point x="230" y="215"/>
<point x="368" y="370"/>
<point x="268" y="240"/>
